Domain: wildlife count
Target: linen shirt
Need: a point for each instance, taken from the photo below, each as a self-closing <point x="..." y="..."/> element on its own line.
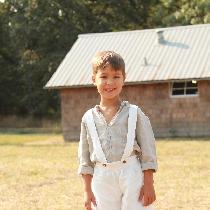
<point x="113" y="138"/>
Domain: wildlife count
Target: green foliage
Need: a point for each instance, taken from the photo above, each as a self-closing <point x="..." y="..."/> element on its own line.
<point x="35" y="35"/>
<point x="118" y="15"/>
<point x="181" y="12"/>
<point x="8" y="67"/>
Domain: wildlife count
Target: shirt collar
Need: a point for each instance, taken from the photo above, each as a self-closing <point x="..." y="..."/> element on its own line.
<point x="122" y="105"/>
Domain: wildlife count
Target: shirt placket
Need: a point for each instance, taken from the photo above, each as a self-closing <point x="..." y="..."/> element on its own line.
<point x="108" y="129"/>
<point x="109" y="137"/>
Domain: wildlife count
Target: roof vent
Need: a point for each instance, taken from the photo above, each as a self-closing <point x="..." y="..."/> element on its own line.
<point x="160" y="37"/>
<point x="145" y="61"/>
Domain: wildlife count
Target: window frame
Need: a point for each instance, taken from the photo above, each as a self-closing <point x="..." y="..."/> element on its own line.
<point x="185" y="88"/>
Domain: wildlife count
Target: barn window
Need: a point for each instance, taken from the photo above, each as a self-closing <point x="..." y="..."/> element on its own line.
<point x="184" y="88"/>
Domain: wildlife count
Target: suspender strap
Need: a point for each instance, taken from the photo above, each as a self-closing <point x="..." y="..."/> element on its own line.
<point x="94" y="135"/>
<point x="132" y="118"/>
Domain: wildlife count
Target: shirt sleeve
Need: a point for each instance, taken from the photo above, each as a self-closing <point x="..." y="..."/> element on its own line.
<point x="85" y="164"/>
<point x="146" y="140"/>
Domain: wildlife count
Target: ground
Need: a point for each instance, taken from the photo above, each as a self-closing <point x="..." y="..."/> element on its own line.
<point x="39" y="172"/>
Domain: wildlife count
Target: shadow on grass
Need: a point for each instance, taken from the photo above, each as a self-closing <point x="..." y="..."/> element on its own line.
<point x="16" y="131"/>
<point x="38" y="145"/>
<point x="184" y="139"/>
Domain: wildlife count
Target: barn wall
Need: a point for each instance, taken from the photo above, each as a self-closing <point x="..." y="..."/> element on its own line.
<point x="74" y="102"/>
<point x="185" y="116"/>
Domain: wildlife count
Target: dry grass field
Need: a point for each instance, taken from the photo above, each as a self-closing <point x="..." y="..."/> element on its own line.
<point x="38" y="172"/>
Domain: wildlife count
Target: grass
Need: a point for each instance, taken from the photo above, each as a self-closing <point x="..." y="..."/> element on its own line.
<point x="38" y="172"/>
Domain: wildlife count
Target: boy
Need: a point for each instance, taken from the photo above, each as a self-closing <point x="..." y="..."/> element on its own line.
<point x="117" y="147"/>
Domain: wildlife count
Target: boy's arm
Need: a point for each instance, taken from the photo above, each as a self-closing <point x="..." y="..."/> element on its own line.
<point x="85" y="164"/>
<point x="146" y="141"/>
<point x="85" y="167"/>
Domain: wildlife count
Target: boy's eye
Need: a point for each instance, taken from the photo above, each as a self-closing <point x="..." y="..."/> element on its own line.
<point x="117" y="76"/>
<point x="103" y="76"/>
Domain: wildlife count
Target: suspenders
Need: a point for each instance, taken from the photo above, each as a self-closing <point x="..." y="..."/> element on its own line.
<point x="132" y="118"/>
<point x="94" y="135"/>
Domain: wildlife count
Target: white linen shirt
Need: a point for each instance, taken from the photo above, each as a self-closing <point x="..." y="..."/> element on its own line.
<point x="113" y="138"/>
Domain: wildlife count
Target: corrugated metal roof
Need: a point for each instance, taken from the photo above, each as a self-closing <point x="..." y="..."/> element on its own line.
<point x="184" y="55"/>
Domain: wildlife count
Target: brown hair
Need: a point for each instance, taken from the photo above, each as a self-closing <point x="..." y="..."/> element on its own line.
<point x="105" y="58"/>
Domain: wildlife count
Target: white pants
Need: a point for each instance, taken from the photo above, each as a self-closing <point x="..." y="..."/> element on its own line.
<point x="117" y="185"/>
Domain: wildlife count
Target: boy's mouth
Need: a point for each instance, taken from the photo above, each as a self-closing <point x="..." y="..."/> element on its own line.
<point x="109" y="89"/>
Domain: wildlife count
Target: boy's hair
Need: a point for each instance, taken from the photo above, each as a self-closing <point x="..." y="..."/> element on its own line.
<point x="105" y="58"/>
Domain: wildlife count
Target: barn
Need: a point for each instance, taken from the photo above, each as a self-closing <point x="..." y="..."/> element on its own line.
<point x="168" y="76"/>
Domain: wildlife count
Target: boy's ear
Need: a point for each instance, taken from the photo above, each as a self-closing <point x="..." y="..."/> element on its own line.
<point x="94" y="79"/>
<point x="125" y="77"/>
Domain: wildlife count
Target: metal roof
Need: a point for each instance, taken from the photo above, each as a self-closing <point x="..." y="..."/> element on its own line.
<point x="184" y="54"/>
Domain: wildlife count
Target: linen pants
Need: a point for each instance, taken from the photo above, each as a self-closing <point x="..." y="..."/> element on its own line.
<point x="117" y="185"/>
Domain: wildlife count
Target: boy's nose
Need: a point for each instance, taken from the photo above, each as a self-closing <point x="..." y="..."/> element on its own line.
<point x="109" y="81"/>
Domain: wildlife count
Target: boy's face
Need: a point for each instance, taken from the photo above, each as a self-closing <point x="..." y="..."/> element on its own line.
<point x="109" y="82"/>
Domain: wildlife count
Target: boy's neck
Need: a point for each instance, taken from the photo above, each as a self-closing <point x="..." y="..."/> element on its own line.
<point x="110" y="103"/>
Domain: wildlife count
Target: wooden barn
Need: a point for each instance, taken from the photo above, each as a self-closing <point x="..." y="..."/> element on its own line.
<point x="168" y="76"/>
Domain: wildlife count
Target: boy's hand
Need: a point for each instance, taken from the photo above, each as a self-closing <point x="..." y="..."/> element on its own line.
<point x="88" y="199"/>
<point x="147" y="193"/>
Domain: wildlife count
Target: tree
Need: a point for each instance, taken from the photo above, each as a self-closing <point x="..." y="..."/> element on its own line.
<point x="42" y="36"/>
<point x="9" y="94"/>
<point x="182" y="12"/>
<point x="115" y="15"/>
